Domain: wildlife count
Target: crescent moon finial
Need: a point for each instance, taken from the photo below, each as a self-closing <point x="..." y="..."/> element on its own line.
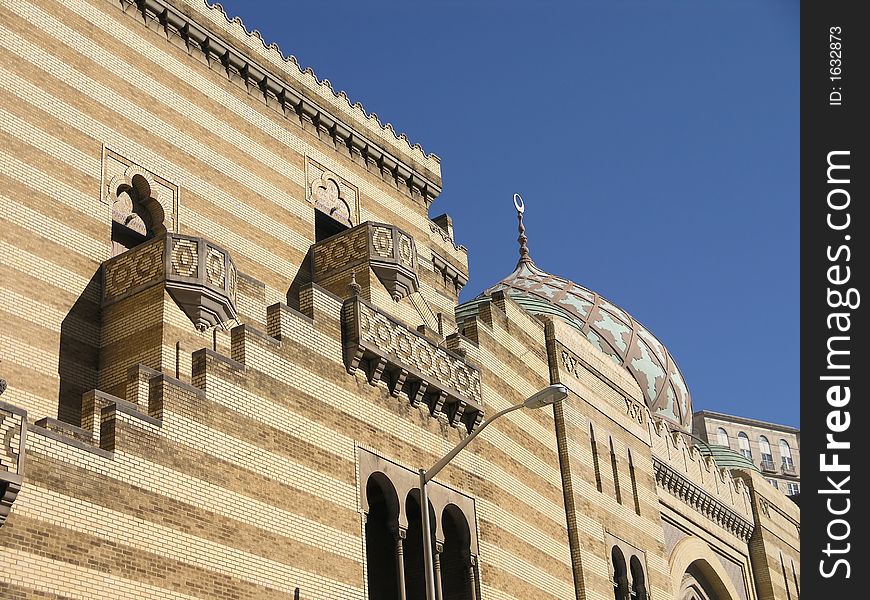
<point x="524" y="249"/>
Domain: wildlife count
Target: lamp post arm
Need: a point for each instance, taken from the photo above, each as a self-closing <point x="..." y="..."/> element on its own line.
<point x="436" y="468"/>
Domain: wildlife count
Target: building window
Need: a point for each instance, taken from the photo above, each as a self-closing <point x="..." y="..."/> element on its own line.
<point x="773" y="482"/>
<point x="766" y="455"/>
<point x="620" y="575"/>
<point x="638" y="582"/>
<point x="722" y="437"/>
<point x="793" y="488"/>
<point x="633" y="483"/>
<point x="455" y="565"/>
<point x="785" y="453"/>
<point x="743" y="442"/>
<point x="394" y="536"/>
<point x="384" y="540"/>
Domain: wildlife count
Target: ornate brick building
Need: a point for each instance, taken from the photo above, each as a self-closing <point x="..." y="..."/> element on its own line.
<point x="232" y="336"/>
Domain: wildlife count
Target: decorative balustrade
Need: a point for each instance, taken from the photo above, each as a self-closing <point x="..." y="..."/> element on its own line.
<point x="199" y="275"/>
<point x="409" y="363"/>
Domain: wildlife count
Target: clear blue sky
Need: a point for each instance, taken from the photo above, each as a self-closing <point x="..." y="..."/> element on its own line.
<point x="656" y="144"/>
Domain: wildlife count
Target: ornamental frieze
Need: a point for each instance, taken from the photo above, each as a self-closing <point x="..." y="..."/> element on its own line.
<point x="409" y="363"/>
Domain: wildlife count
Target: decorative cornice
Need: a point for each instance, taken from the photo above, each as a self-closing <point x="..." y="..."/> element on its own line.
<point x="449" y="273"/>
<point x="270" y="77"/>
<point x="700" y="500"/>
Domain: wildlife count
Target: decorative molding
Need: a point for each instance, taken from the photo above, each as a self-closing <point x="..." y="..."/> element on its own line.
<point x="409" y="363"/>
<point x="449" y="273"/>
<point x="125" y="179"/>
<point x="200" y="277"/>
<point x="331" y="194"/>
<point x="700" y="500"/>
<point x="573" y="363"/>
<point x="273" y="88"/>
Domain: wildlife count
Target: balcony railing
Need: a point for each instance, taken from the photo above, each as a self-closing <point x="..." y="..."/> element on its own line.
<point x="788" y="468"/>
<point x="768" y="466"/>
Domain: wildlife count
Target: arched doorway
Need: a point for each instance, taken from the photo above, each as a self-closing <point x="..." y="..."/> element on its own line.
<point x="383" y="545"/>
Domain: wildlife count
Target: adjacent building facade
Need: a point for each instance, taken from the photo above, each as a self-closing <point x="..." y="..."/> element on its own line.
<point x="774" y="449"/>
<point x="232" y="335"/>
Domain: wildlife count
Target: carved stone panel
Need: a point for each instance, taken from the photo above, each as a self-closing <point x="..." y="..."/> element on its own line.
<point x="331" y="194"/>
<point x="409" y="363"/>
<point x="123" y="179"/>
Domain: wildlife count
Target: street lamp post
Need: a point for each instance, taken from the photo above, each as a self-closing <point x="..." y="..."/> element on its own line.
<point x="548" y="395"/>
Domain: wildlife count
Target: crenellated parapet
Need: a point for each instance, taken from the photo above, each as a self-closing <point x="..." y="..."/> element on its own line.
<point x="681" y="470"/>
<point x="208" y="35"/>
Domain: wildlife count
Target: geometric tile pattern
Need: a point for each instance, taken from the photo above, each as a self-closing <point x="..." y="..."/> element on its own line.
<point x="610" y="329"/>
<point x="134" y="269"/>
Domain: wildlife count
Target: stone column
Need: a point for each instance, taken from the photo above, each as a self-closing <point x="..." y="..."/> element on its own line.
<point x="439" y="548"/>
<point x="472" y="576"/>
<point x="400" y="535"/>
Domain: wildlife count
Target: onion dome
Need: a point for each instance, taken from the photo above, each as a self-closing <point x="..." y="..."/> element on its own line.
<point x="609" y="328"/>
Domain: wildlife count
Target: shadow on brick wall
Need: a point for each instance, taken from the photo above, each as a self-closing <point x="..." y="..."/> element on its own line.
<point x="79" y="354"/>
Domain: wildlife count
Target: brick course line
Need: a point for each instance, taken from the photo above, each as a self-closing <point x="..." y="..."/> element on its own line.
<point x="120" y="528"/>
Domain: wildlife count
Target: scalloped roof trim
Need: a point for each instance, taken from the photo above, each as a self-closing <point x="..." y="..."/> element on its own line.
<point x="252" y="40"/>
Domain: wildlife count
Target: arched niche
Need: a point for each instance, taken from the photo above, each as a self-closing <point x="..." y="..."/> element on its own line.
<point x="619" y="573"/>
<point x="414" y="560"/>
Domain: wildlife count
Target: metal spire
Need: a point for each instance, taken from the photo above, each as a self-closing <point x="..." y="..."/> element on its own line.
<point x="524" y="249"/>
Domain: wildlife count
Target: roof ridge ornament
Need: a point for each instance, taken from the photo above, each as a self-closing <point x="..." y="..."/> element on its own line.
<point x="524" y="249"/>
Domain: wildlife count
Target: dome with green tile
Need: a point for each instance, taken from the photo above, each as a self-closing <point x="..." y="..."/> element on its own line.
<point x="609" y="328"/>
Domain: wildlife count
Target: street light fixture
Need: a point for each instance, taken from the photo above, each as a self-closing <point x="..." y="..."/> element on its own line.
<point x="549" y="395"/>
